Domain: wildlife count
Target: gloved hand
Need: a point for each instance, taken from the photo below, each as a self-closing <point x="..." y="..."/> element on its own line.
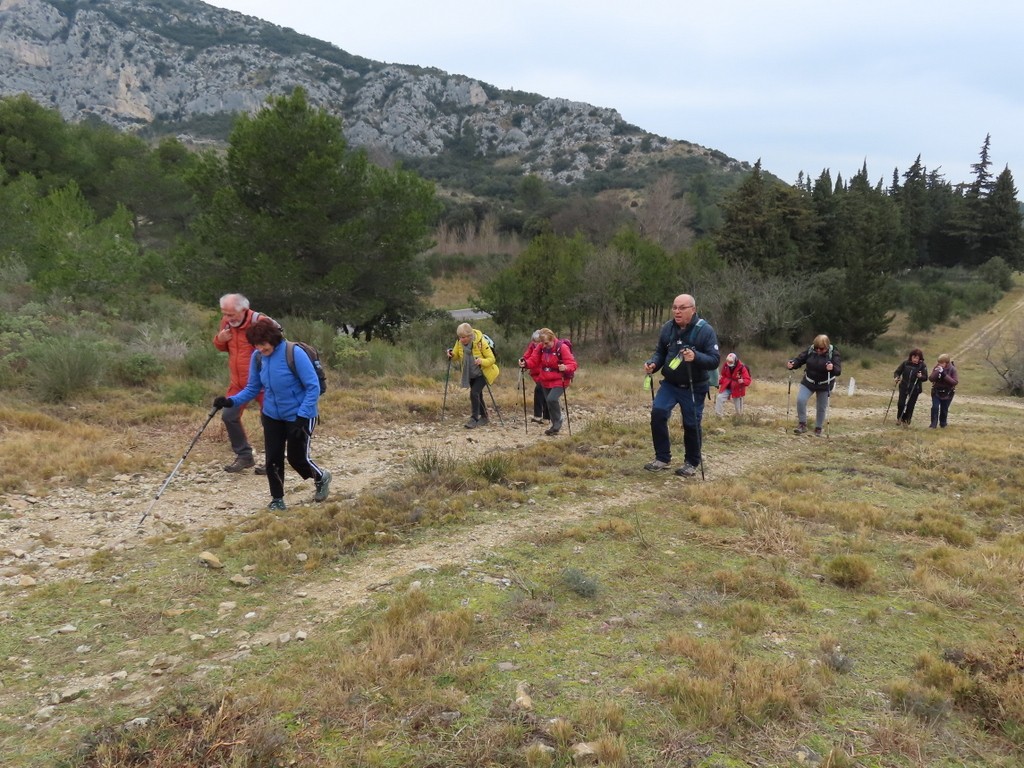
<point x="299" y="428"/>
<point x="223" y="402"/>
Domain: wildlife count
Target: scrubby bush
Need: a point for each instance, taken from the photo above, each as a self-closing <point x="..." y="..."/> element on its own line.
<point x="137" y="368"/>
<point x="850" y="571"/>
<point x="61" y="367"/>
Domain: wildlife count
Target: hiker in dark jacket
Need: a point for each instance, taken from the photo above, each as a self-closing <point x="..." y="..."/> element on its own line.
<point x="944" y="380"/>
<point x="687" y="349"/>
<point x="823" y="366"/>
<point x="289" y="408"/>
<point x="910" y="374"/>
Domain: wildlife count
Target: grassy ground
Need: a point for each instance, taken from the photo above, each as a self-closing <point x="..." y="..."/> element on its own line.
<point x="846" y="601"/>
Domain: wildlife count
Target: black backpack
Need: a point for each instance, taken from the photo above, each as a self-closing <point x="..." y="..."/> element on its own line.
<point x="311" y="353"/>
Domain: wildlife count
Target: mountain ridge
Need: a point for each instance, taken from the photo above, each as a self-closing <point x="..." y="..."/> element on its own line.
<point x="186" y="68"/>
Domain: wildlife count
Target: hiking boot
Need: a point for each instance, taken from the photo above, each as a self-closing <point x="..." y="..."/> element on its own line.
<point x="817" y="431"/>
<point x="536" y="419"/>
<point x="687" y="470"/>
<point x="323" y="486"/>
<point x="276" y="505"/>
<point x="800" y="429"/>
<point x="239" y="464"/>
<point x="471" y="424"/>
<point x="483" y="422"/>
<point x="260" y="470"/>
<point x="656" y="466"/>
<point x="552" y="431"/>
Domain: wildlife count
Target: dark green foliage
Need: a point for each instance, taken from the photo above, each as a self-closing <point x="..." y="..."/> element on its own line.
<point x="579" y="582"/>
<point x="62" y="367"/>
<point x="310" y="227"/>
<point x="137" y="369"/>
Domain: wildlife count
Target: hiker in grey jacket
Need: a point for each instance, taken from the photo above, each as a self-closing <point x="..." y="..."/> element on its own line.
<point x="822" y="365"/>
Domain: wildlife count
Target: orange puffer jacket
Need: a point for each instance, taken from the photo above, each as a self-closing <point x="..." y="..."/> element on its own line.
<point x="239" y="350"/>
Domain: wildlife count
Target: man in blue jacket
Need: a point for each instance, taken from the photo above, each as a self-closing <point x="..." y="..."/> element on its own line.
<point x="687" y="349"/>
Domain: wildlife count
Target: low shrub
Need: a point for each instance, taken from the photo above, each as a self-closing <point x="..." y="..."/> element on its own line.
<point x="61" y="366"/>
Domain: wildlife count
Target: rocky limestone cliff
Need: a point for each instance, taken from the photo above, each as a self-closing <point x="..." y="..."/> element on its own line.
<point x="132" y="63"/>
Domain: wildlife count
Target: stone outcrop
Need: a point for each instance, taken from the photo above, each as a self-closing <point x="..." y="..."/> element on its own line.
<point x="135" y="63"/>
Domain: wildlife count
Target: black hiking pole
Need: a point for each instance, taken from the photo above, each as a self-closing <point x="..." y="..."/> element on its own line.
<point x="828" y="401"/>
<point x="522" y="384"/>
<point x="444" y="402"/>
<point x="494" y="402"/>
<point x="568" y="421"/>
<point x="181" y="461"/>
<point x="789" y="389"/>
<point x="700" y="431"/>
<point x="895" y="384"/>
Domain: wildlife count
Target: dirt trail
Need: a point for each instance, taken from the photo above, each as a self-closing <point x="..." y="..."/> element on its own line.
<point x="65" y="528"/>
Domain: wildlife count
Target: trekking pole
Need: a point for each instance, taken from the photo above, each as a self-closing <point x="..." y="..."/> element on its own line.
<point x="895" y="384"/>
<point x="522" y="384"/>
<point x="828" y="401"/>
<point x="568" y="421"/>
<point x="789" y="389"/>
<point x="181" y="461"/>
<point x="700" y="435"/>
<point x="494" y="402"/>
<point x="444" y="402"/>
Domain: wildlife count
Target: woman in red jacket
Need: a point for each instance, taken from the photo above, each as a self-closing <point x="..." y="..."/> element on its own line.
<point x="540" y="405"/>
<point x="732" y="384"/>
<point x="552" y="366"/>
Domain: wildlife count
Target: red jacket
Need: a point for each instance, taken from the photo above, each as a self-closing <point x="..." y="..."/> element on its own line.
<point x="736" y="379"/>
<point x="526" y="356"/>
<point x="543" y="364"/>
<point x="239" y="350"/>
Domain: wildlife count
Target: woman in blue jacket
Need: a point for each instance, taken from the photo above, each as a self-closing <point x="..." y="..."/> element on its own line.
<point x="289" y="412"/>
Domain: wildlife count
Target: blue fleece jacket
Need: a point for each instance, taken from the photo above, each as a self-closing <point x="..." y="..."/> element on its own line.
<point x="286" y="395"/>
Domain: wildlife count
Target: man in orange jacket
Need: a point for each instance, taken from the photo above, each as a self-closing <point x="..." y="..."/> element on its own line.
<point x="236" y="317"/>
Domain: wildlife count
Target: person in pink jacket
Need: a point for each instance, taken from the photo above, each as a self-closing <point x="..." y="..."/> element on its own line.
<point x="552" y="365"/>
<point x="236" y="318"/>
<point x="732" y="384"/>
<point x="540" y="405"/>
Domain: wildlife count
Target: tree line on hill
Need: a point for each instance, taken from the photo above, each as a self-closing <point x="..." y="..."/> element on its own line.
<point x="307" y="226"/>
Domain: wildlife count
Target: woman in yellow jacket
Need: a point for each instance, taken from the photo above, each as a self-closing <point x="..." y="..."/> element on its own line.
<point x="479" y="370"/>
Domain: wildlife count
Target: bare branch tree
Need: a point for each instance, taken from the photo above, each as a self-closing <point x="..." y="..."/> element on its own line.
<point x="1004" y="351"/>
<point x="665" y="218"/>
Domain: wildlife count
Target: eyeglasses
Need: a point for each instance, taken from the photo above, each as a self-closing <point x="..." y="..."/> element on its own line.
<point x="682" y="306"/>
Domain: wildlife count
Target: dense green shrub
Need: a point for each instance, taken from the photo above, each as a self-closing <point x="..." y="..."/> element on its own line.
<point x="61" y="367"/>
<point x="137" y="368"/>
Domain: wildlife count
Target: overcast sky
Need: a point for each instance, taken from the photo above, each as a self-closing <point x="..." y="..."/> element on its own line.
<point x="800" y="84"/>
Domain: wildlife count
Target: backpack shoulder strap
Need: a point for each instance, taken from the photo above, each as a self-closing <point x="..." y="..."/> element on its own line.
<point x="289" y="354"/>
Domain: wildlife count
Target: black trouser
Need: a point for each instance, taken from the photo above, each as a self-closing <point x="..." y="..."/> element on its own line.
<point x="905" y="404"/>
<point x="540" y="403"/>
<point x="476" y="397"/>
<point x="280" y="437"/>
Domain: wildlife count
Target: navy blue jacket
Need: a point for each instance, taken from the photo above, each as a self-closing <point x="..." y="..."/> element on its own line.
<point x="697" y="334"/>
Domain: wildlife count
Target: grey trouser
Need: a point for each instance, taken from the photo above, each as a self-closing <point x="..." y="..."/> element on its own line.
<point x="236" y="431"/>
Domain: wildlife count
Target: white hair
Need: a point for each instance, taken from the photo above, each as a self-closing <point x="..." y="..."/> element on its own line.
<point x="237" y="300"/>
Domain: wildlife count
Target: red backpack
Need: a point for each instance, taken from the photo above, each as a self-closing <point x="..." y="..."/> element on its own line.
<point x="557" y="349"/>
